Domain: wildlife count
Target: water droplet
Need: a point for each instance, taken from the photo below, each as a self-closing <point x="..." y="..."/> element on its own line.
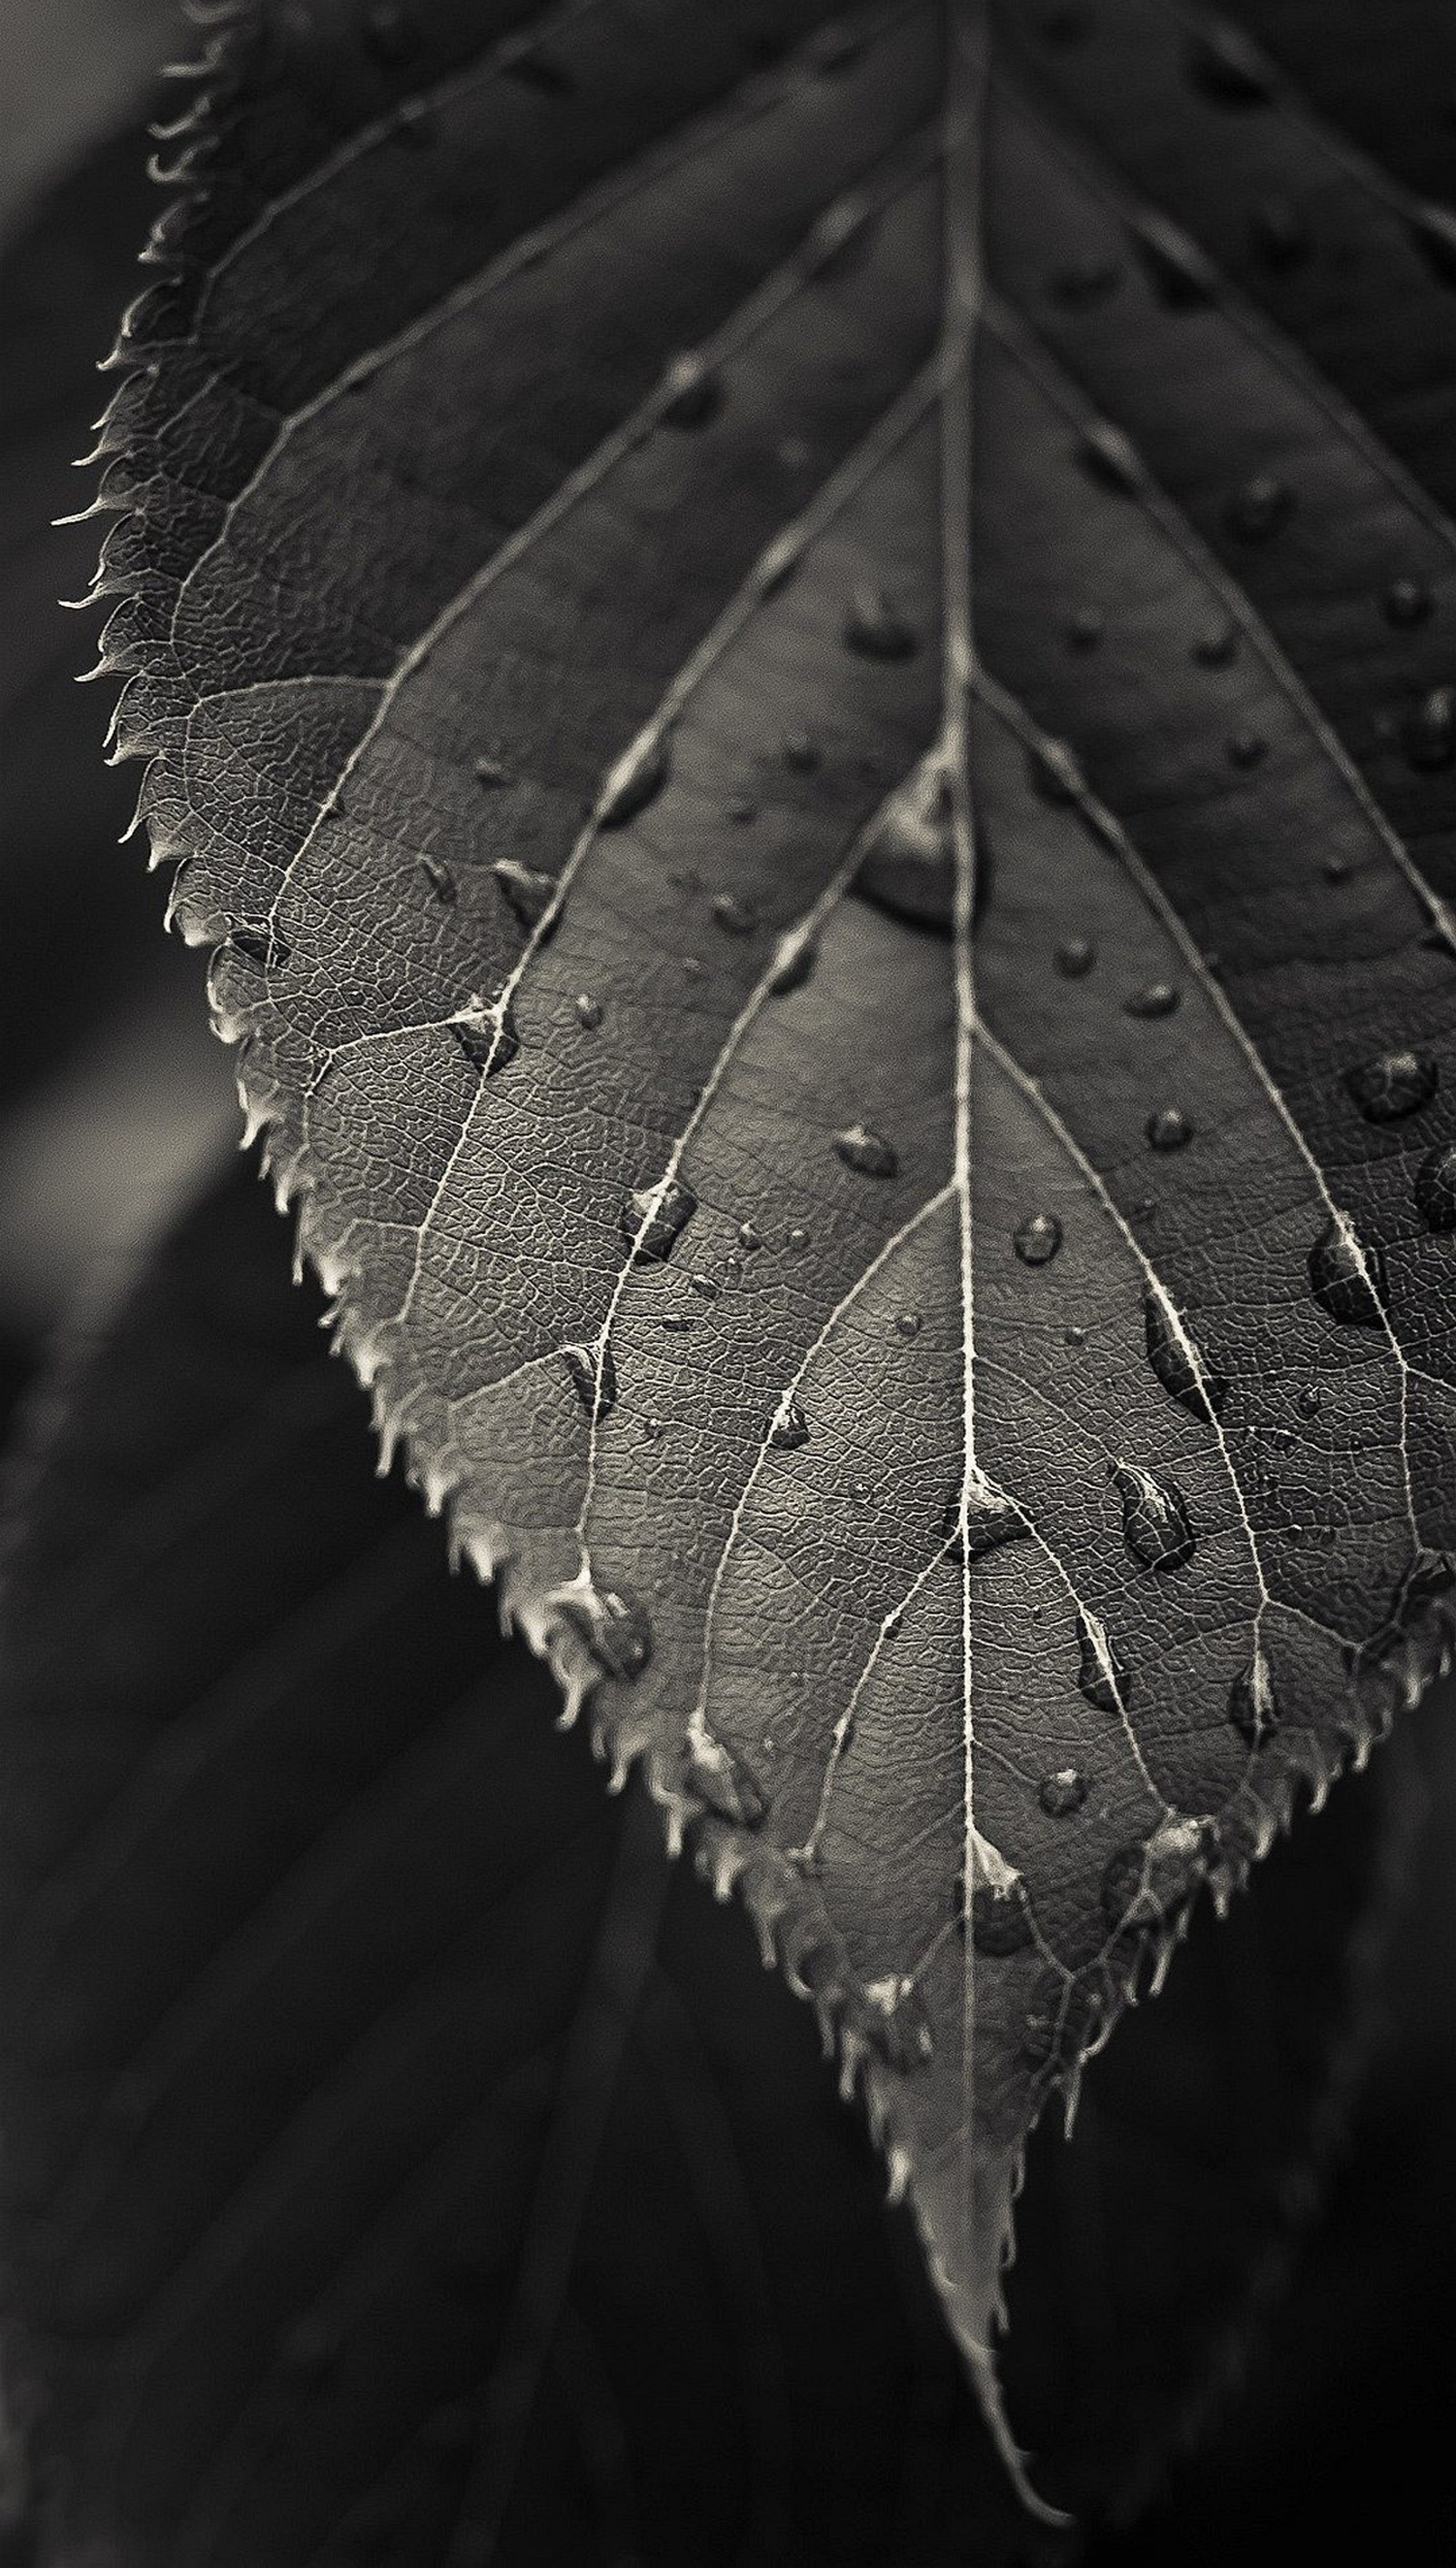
<point x="1336" y="869"/>
<point x="1171" y="1354"/>
<point x="636" y="780"/>
<point x="796" y="1241"/>
<point x="1155" y="1525"/>
<point x="1245" y="749"/>
<point x="866" y="1153"/>
<point x="1393" y="1085"/>
<point x="1054" y="773"/>
<point x="1277" y="229"/>
<point x="874" y="628"/>
<point x="734" y="915"/>
<point x="693" y="392"/>
<point x="1347" y="1282"/>
<point x="1428" y="733"/>
<point x="1259" y="508"/>
<point x="678" y="1322"/>
<point x="1154" y="999"/>
<point x="1038" y="1238"/>
<point x="261" y="946"/>
<point x="910" y="865"/>
<point x="789" y="1427"/>
<point x="1179" y="273"/>
<point x="1110" y="457"/>
<point x="694" y="968"/>
<point x="1434" y="1187"/>
<point x="740" y="809"/>
<point x="415" y="124"/>
<point x="1084" y="628"/>
<point x="749" y="1237"/>
<point x="860" y="1494"/>
<point x="439" y="878"/>
<point x="1228" y="67"/>
<point x="528" y="893"/>
<point x="1253" y="1708"/>
<point x="801" y="753"/>
<point x="1218" y="648"/>
<point x="614" y="1623"/>
<point x="1102" y="1676"/>
<point x="722" y="1777"/>
<point x="1432" y="228"/>
<point x="660" y="1214"/>
<point x="1406" y="602"/>
<point x="1074" y="957"/>
<point x="1084" y="282"/>
<point x="589" y="1011"/>
<point x="491" y="776"/>
<point x="1061" y="1795"/>
<point x="486" y="1036"/>
<point x="1001" y="1921"/>
<point x="796" y="956"/>
<point x="593" y="1374"/>
<point x="980" y="1519"/>
<point x="1075" y="1337"/>
<point x="1168" y="1129"/>
<point x="908" y="1323"/>
<point x="654" y="1430"/>
<point x="705" y="1287"/>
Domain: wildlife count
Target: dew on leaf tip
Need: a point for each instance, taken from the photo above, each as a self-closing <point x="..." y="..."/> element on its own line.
<point x="1038" y="1238"/>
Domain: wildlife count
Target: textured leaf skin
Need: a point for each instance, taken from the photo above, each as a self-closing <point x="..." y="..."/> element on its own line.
<point x="337" y="1998"/>
<point x="444" y="580"/>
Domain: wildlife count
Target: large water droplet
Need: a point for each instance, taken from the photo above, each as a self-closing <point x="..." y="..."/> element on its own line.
<point x="693" y="392"/>
<point x="486" y="1035"/>
<point x="1110" y="458"/>
<point x="1406" y="602"/>
<point x="1061" y="1795"/>
<point x="659" y="1214"/>
<point x="1154" y="999"/>
<point x="1177" y="269"/>
<point x="897" y="2021"/>
<point x="525" y="891"/>
<point x="1168" y="1129"/>
<point x="1001" y="1921"/>
<point x="874" y="627"/>
<point x="1228" y="67"/>
<point x="1259" y="508"/>
<point x="1155" y="1525"/>
<point x="910" y="865"/>
<point x="614" y="1623"/>
<point x="1038" y="1238"/>
<point x="1393" y="1085"/>
<point x="1172" y="1355"/>
<point x="1428" y="733"/>
<point x="593" y="1374"/>
<point x="1102" y="1676"/>
<point x="789" y="1427"/>
<point x="981" y="1519"/>
<point x="866" y="1153"/>
<point x="1432" y="228"/>
<point x="1074" y="957"/>
<point x="1349" y="1282"/>
<point x="724" y="1780"/>
<point x="1435" y="1187"/>
<point x="1253" y="1708"/>
<point x="637" y="780"/>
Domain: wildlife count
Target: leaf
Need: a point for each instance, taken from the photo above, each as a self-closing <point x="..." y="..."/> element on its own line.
<point x="403" y="2160"/>
<point x="960" y="1376"/>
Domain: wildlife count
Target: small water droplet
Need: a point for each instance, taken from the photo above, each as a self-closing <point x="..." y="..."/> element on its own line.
<point x="589" y="1011"/>
<point x="1245" y="749"/>
<point x="1074" y="957"/>
<point x="693" y="391"/>
<point x="439" y="878"/>
<point x="1155" y="1525"/>
<point x="705" y="1287"/>
<point x="1259" y="508"/>
<point x="908" y="1323"/>
<point x="1253" y="1708"/>
<point x="1038" y="1238"/>
<point x="492" y="775"/>
<point x="1084" y="628"/>
<point x="1110" y="457"/>
<point x="1218" y="648"/>
<point x="1406" y="602"/>
<point x="1171" y="1354"/>
<point x="860" y="1494"/>
<point x="1001" y="1921"/>
<point x="1168" y="1129"/>
<point x="1277" y="232"/>
<point x="525" y="891"/>
<point x="1102" y="1676"/>
<point x="1428" y="733"/>
<point x="796" y="1241"/>
<point x="1432" y="228"/>
<point x="1228" y="67"/>
<point x="1179" y="273"/>
<point x="909" y="866"/>
<point x="801" y="753"/>
<point x="593" y="1374"/>
<point x="486" y="1036"/>
<point x="1393" y="1085"/>
<point x="1061" y="1795"/>
<point x="1308" y="1400"/>
<point x="660" y="1214"/>
<point x="733" y="1267"/>
<point x="789" y="1427"/>
<point x="678" y="1322"/>
<point x="261" y="946"/>
<point x="1335" y="869"/>
<point x="724" y="1781"/>
<point x="1434" y="1187"/>
<point x="866" y="1152"/>
<point x="694" y="968"/>
<point x="749" y="1237"/>
<point x="796" y="956"/>
<point x="874" y="628"/>
<point x="1054" y="773"/>
<point x="1154" y="999"/>
<point x="1075" y="1337"/>
<point x="614" y="1623"/>
<point x="1084" y="282"/>
<point x="1347" y="1283"/>
<point x="415" y="124"/>
<point x="654" y="1430"/>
